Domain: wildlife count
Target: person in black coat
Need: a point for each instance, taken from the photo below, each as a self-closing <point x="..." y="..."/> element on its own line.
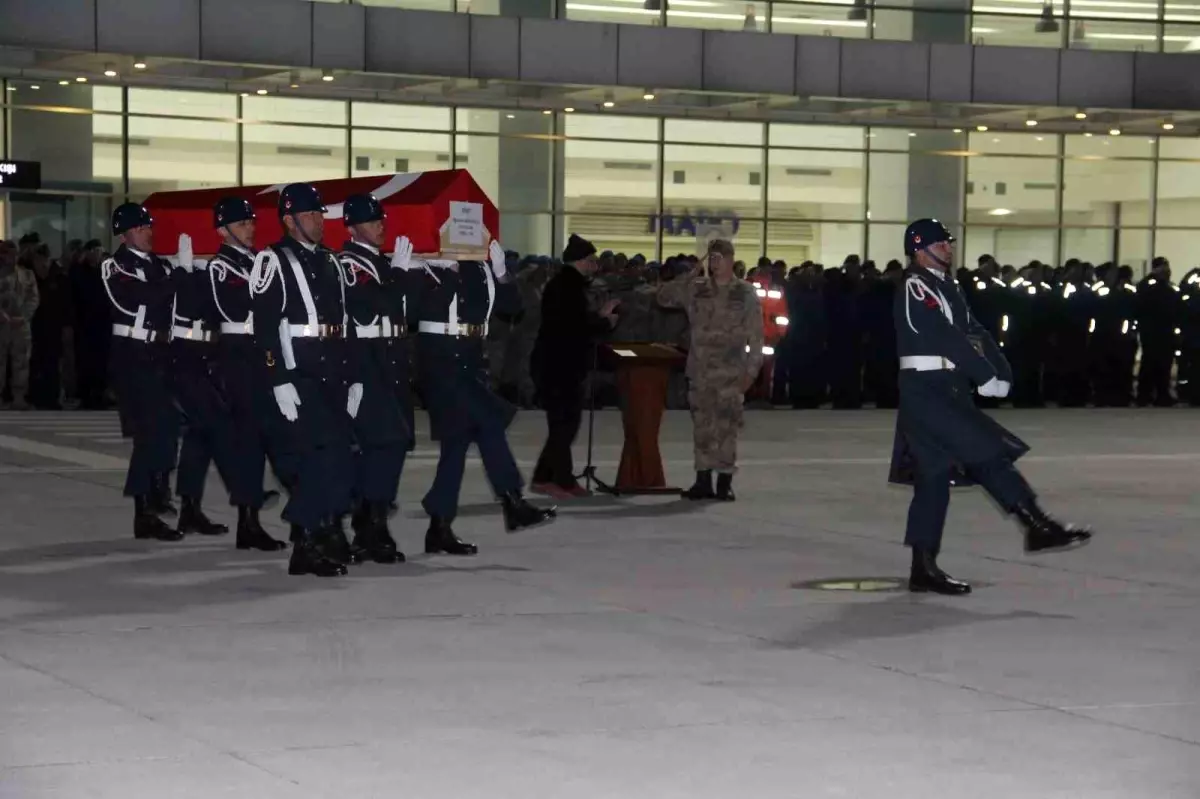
<point x="52" y="317"/>
<point x="562" y="356"/>
<point x="942" y="438"/>
<point x="91" y="323"/>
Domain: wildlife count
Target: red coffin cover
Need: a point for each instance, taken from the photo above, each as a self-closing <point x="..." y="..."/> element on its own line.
<point x="417" y="205"/>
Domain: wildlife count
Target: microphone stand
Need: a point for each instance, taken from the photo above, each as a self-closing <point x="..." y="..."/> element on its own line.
<point x="589" y="471"/>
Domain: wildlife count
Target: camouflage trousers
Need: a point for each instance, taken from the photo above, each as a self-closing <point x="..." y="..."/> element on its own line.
<point x="716" y="421"/>
<point x="16" y="343"/>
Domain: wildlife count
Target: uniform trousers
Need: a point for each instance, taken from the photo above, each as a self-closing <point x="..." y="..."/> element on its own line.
<point x="148" y="412"/>
<point x="1154" y="373"/>
<point x="716" y="420"/>
<point x="498" y="465"/>
<point x="210" y="434"/>
<point x="383" y="434"/>
<point x="931" y="492"/>
<point x="563" y="401"/>
<point x="16" y="342"/>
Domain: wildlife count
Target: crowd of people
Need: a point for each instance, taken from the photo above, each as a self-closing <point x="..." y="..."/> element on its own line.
<point x="1076" y="335"/>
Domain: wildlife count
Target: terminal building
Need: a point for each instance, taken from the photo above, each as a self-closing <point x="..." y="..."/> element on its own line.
<point x="806" y="130"/>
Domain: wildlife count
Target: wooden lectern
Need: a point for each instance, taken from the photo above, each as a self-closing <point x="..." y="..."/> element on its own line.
<point x="643" y="371"/>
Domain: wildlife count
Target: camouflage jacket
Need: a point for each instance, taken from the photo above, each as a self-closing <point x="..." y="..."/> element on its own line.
<point x="18" y="293"/>
<point x="726" y="327"/>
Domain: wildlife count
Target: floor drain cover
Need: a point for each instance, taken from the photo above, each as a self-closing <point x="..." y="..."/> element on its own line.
<point x="852" y="584"/>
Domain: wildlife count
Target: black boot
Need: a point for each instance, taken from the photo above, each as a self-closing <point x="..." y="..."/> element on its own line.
<point x="373" y="539"/>
<point x="926" y="576"/>
<point x="333" y="544"/>
<point x="307" y="558"/>
<point x="160" y="496"/>
<point x="519" y="514"/>
<point x="193" y="520"/>
<point x="146" y="523"/>
<point x="725" y="487"/>
<point x="441" y="539"/>
<point x="1045" y="534"/>
<point x="250" y="532"/>
<point x="702" y="488"/>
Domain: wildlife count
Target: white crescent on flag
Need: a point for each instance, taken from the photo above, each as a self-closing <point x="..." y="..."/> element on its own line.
<point x="393" y="185"/>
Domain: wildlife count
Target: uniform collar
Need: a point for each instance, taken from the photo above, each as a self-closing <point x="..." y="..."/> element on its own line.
<point x="298" y="243"/>
<point x="145" y="256"/>
<point x="363" y="245"/>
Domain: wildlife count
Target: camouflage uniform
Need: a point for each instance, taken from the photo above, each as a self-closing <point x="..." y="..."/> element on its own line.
<point x="726" y="350"/>
<point x="18" y="299"/>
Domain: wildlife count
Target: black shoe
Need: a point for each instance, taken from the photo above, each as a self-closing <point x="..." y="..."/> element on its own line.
<point x="372" y="537"/>
<point x="440" y="539"/>
<point x="702" y="488"/>
<point x="725" y="488"/>
<point x="331" y="541"/>
<point x="146" y="523"/>
<point x="1045" y="534"/>
<point x="519" y="514"/>
<point x="307" y="558"/>
<point x="193" y="520"/>
<point x="160" y="496"/>
<point x="270" y="499"/>
<point x="927" y="577"/>
<point x="250" y="532"/>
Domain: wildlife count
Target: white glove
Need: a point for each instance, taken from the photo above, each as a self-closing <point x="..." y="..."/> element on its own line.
<point x="354" y="399"/>
<point x="496" y="256"/>
<point x="288" y="401"/>
<point x="402" y="255"/>
<point x="994" y="388"/>
<point x="185" y="251"/>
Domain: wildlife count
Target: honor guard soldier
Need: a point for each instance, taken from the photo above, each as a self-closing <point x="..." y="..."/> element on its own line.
<point x="942" y="438"/>
<point x="245" y="388"/>
<point x="299" y="328"/>
<point x="452" y="303"/>
<point x="141" y="294"/>
<point x="375" y="303"/>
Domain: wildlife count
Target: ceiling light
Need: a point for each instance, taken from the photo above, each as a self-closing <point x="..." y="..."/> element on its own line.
<point x="110" y="71"/>
<point x="569" y="110"/>
<point x="12" y="88"/>
<point x="1040" y="138"/>
<point x="547" y="112"/>
<point x="1080" y="115"/>
<point x="294" y="85"/>
<point x="609" y="103"/>
<point x="261" y="91"/>
<point x="510" y="116"/>
<point x="1166" y="125"/>
<point x="81" y="79"/>
<point x="64" y="83"/>
<point x="958" y="130"/>
<point x="35" y="87"/>
<point x="1087" y="135"/>
<point x="245" y="94"/>
<point x="327" y="76"/>
<point x="1031" y="123"/>
<point x="648" y="96"/>
<point x="981" y="128"/>
<point x="1115" y="132"/>
<point x="139" y="64"/>
<point x="1000" y="212"/>
<point x="911" y="134"/>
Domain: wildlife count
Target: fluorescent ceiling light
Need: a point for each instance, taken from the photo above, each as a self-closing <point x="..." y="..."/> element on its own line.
<point x="1000" y="212"/>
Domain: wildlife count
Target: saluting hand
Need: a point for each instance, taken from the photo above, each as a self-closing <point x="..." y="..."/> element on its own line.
<point x="496" y="257"/>
<point x="185" y="252"/>
<point x="402" y="254"/>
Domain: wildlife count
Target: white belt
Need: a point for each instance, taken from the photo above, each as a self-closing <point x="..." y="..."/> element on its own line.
<point x="385" y="329"/>
<point x="192" y="334"/>
<point x="368" y="331"/>
<point x="446" y="329"/>
<point x="317" y="331"/>
<point x="926" y="363"/>
<point x="139" y="333"/>
<point x="237" y="328"/>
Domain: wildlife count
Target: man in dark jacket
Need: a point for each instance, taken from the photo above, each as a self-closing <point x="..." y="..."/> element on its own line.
<point x="941" y="437"/>
<point x="49" y="322"/>
<point x="562" y="357"/>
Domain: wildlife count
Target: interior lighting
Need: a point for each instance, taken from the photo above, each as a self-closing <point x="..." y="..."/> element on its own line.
<point x="139" y="64"/>
<point x="981" y="128"/>
<point x="1165" y="125"/>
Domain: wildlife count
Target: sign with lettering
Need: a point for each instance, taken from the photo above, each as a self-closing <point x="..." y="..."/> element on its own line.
<point x="466" y="225"/>
<point x="20" y="175"/>
<point x="695" y="224"/>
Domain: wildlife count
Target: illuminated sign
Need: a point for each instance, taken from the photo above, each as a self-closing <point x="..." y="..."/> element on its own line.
<point x="689" y="224"/>
<point x="20" y="175"/>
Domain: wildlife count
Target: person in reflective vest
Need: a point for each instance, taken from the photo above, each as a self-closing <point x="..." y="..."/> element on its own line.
<point x="942" y="438"/>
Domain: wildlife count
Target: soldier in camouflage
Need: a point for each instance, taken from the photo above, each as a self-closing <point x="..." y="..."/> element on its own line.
<point x="18" y="302"/>
<point x="725" y="357"/>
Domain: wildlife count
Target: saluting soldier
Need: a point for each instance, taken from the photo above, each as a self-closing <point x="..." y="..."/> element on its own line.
<point x="245" y="387"/>
<point x="941" y="436"/>
<point x="140" y="292"/>
<point x="300" y="328"/>
<point x="450" y="304"/>
<point x="375" y="302"/>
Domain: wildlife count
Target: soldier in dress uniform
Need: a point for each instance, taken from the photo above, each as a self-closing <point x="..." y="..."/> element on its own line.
<point x="245" y="387"/>
<point x="941" y="436"/>
<point x="375" y="302"/>
<point x="300" y="331"/>
<point x="450" y="304"/>
<point x="140" y="293"/>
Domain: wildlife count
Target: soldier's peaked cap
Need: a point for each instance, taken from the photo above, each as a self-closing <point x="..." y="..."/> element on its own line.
<point x="299" y="198"/>
<point x="358" y="209"/>
<point x="232" y="210"/>
<point x="924" y="233"/>
<point x="128" y="216"/>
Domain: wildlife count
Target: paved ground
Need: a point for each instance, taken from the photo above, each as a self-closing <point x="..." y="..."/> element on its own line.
<point x="641" y="649"/>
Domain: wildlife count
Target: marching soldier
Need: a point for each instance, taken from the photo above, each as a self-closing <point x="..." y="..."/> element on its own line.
<point x="451" y="303"/>
<point x="941" y="436"/>
<point x="299" y="328"/>
<point x="141" y="292"/>
<point x="1158" y="309"/>
<point x="723" y="362"/>
<point x="375" y="303"/>
<point x="245" y="386"/>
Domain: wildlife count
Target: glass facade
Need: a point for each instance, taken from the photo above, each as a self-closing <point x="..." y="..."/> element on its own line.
<point x="1145" y="25"/>
<point x="636" y="184"/>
